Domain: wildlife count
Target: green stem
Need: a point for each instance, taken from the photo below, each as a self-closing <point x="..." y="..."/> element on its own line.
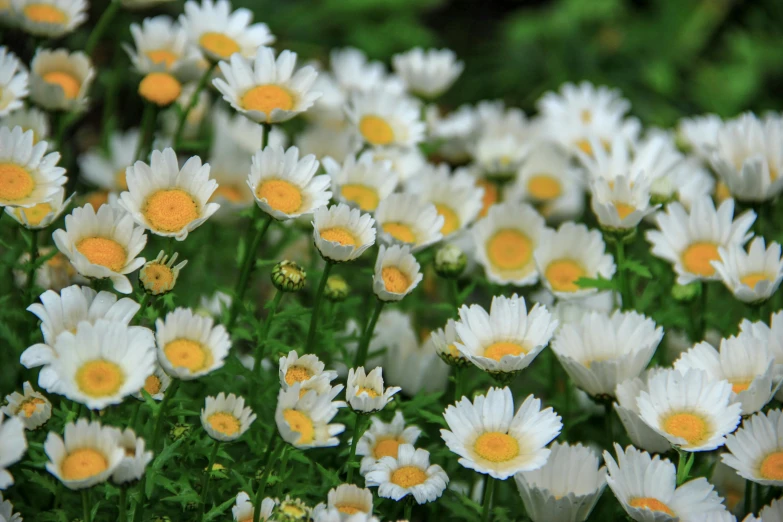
<point x="608" y="426"/>
<point x="749" y="497"/>
<point x="361" y="352"/>
<point x="684" y="465"/>
<point x="183" y="115"/>
<point x="86" y="505"/>
<point x="458" y="370"/>
<point x="100" y="27"/>
<point x="316" y="305"/>
<point x="271" y="457"/>
<point x="408" y="509"/>
<point x="265" y="328"/>
<point x="123" y="504"/>
<point x="357" y="433"/>
<point x="622" y="275"/>
<point x="283" y="457"/>
<point x="489" y="488"/>
<point x="135" y="415"/>
<point x="207" y="473"/>
<point x="454" y="290"/>
<point x="247" y="267"/>
<point x="162" y="412"/>
<point x="148" y="118"/>
<point x="31" y="266"/>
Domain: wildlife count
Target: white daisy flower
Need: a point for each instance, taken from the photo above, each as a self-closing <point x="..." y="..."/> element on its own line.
<point x="13" y="447"/>
<point x="225" y="418"/>
<point x="354" y="72"/>
<point x="13" y="83"/>
<point x="135" y="460"/>
<point x="155" y="385"/>
<point x="752" y="276"/>
<point x="505" y="241"/>
<point x="87" y="455"/>
<point x="27" y="176"/>
<point x="323" y="513"/>
<point x="772" y="334"/>
<point x="407" y="219"/>
<point x="571" y="252"/>
<point x="32" y="407"/>
<point x="622" y="202"/>
<point x="770" y="513"/>
<point x="453" y="132"/>
<point x="384" y="439"/>
<point x="584" y="101"/>
<point x="444" y="342"/>
<point x="161" y="45"/>
<point x="220" y="32"/>
<point x="41" y="215"/>
<point x="646" y="488"/>
<point x="295" y="369"/>
<point x="428" y="73"/>
<point x="167" y="200"/>
<point x="603" y="350"/>
<point x="268" y="90"/>
<point x="567" y="488"/>
<point x="756" y="449"/>
<point x="349" y="499"/>
<point x="689" y="181"/>
<point x="304" y="421"/>
<point x="383" y="118"/>
<point x="285" y="186"/>
<point x="60" y="80"/>
<point x="108" y="171"/>
<point x="341" y="233"/>
<point x="365" y="392"/>
<point x="214" y="305"/>
<point x="362" y="182"/>
<point x="744" y="361"/>
<point x="491" y="439"/>
<point x="7" y="511"/>
<point x="690" y="240"/>
<point x="49" y="18"/>
<point x="243" y="510"/>
<point x="691" y="409"/>
<point x="397" y="273"/>
<point x="327" y="111"/>
<point x="323" y="142"/>
<point x="406" y="162"/>
<point x="508" y="338"/>
<point x="103" y="244"/>
<point x="190" y="345"/>
<point x="627" y="409"/>
<point x="29" y="119"/>
<point x="700" y="133"/>
<point x="409" y="474"/>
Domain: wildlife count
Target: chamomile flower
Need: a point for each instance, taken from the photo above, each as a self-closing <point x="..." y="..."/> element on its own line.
<point x="491" y="439"/>
<point x="295" y="369"/>
<point x="235" y="135"/>
<point x="268" y="90"/>
<point x="87" y="455"/>
<point x="752" y="276"/>
<point x="60" y="80"/>
<point x="27" y="176"/>
<point x="43" y="214"/>
<point x="190" y="345"/>
<point x="383" y="118"/>
<point x="220" y="32"/>
<point x="32" y="407"/>
<point x="571" y="252"/>
<point x="691" y="409"/>
<point x="622" y="202"/>
<point x="135" y="460"/>
<point x="408" y="474"/>
<point x="155" y="385"/>
<point x="456" y="197"/>
<point x="771" y="513"/>
<point x="353" y="72"/>
<point x="365" y="392"/>
<point x="102" y="245"/>
<point x="158" y="277"/>
<point x="225" y="418"/>
<point x="566" y="489"/>
<point x="646" y="488"/>
<point x="428" y="73"/>
<point x="232" y="193"/>
<point x="406" y="162"/>
<point x="383" y="439"/>
<point x="323" y="142"/>
<point x="444" y="342"/>
<point x="407" y="219"/>
<point x="107" y="171"/>
<point x="161" y="45"/>
<point x="508" y="338"/>
<point x="13" y="83"/>
<point x="304" y="422"/>
<point x="341" y="233"/>
<point x="29" y="119"/>
<point x="243" y="510"/>
<point x="756" y="449"/>
<point x="397" y="273"/>
<point x="505" y="241"/>
<point x="627" y="409"/>
<point x="349" y="499"/>
<point x="772" y="335"/>
<point x="286" y="186"/>
<point x="167" y="200"/>
<point x="452" y="132"/>
<point x="13" y="448"/>
<point x="7" y="511"/>
<point x="49" y="18"/>
<point x="690" y="240"/>
<point x="362" y="182"/>
<point x="744" y="361"/>
<point x="603" y="350"/>
<point x="700" y="133"/>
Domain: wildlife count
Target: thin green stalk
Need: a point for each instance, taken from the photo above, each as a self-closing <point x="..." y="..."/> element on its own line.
<point x="31" y="265"/>
<point x="162" y="412"/>
<point x="361" y="352"/>
<point x="458" y="370"/>
<point x="623" y="275"/>
<point x="207" y="473"/>
<point x="271" y="457"/>
<point x="86" y="505"/>
<point x="357" y="433"/>
<point x="684" y="465"/>
<point x="183" y="115"/>
<point x="408" y="509"/>
<point x="135" y="415"/>
<point x="608" y="426"/>
<point x="247" y="267"/>
<point x="454" y="289"/>
<point x="265" y="328"/>
<point x="489" y="488"/>
<point x="100" y="27"/>
<point x="123" y="504"/>
<point x="148" y="118"/>
<point x="316" y="305"/>
<point x="749" y="486"/>
<point x="283" y="457"/>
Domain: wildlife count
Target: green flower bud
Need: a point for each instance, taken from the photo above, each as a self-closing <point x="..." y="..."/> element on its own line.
<point x="450" y="261"/>
<point x="287" y="276"/>
<point x="336" y="288"/>
<point x="180" y="431"/>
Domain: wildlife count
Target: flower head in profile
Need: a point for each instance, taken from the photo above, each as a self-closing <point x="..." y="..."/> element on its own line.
<point x="13" y="448"/>
<point x="397" y="273"/>
<point x="43" y="214"/>
<point x="428" y="73"/>
<point x="225" y="417"/>
<point x="160" y="275"/>
<point x="383" y="118"/>
<point x="13" y="84"/>
<point x="28" y="176"/>
<point x="49" y="18"/>
<point x="752" y="276"/>
<point x="342" y="233"/>
<point x="365" y="392"/>
<point x="60" y="80"/>
<point x="383" y="439"/>
<point x="134" y="463"/>
<point x="88" y="454"/>
<point x="303" y="420"/>
<point x="190" y="345"/>
<point x="32" y="407"/>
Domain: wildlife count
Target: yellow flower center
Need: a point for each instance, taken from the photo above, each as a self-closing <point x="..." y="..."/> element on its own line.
<point x="772" y="466"/>
<point x="369" y="391"/>
<point x="224" y="423"/>
<point x="364" y="196"/>
<point x="386" y="448"/>
<point x="722" y="192"/>
<point x="301" y="424"/>
<point x="452" y="348"/>
<point x="697" y="257"/>
<point x="280" y="195"/>
<point x="218" y="44"/>
<point x="103" y="251"/>
<point x="97" y="198"/>
<point x="339" y="235"/>
<point x="395" y="280"/>
<point x="739" y="386"/>
<point x="399" y="231"/>
<point x="99" y="378"/>
<point x="753" y="279"/>
<point x="232" y="193"/>
<point x="543" y="187"/>
<point x="408" y="476"/>
<point x="563" y="274"/>
<point x="509" y="249"/>
<point x="157" y="278"/>
<point x="83" y="463"/>
<point x="119" y="180"/>
<point x="376" y="130"/>
<point x="297" y="374"/>
<point x="495" y="446"/>
<point x="499" y="350"/>
<point x="152" y="385"/>
<point x="490" y="196"/>
<point x="623" y="209"/>
<point x="191" y="355"/>
<point x="70" y="85"/>
<point x="35" y="214"/>
<point x="689" y="426"/>
<point x="170" y="210"/>
<point x="44" y="14"/>
<point x="160" y="88"/>
<point x="266" y="98"/>
<point x="293" y="510"/>
<point x="163" y="56"/>
<point x="653" y="504"/>
<point x="451" y="221"/>
<point x="30" y="406"/>
<point x="15" y="182"/>
<point x="350" y="509"/>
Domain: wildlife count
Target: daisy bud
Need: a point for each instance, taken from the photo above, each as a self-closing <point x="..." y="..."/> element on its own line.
<point x="180" y="431"/>
<point x="160" y="88"/>
<point x="450" y="261"/>
<point x="337" y="289"/>
<point x="159" y="276"/>
<point x="287" y="276"/>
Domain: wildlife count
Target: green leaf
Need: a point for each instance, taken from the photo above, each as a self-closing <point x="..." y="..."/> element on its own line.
<point x="219" y="510"/>
<point x="637" y="268"/>
<point x="41" y="480"/>
<point x="599" y="283"/>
